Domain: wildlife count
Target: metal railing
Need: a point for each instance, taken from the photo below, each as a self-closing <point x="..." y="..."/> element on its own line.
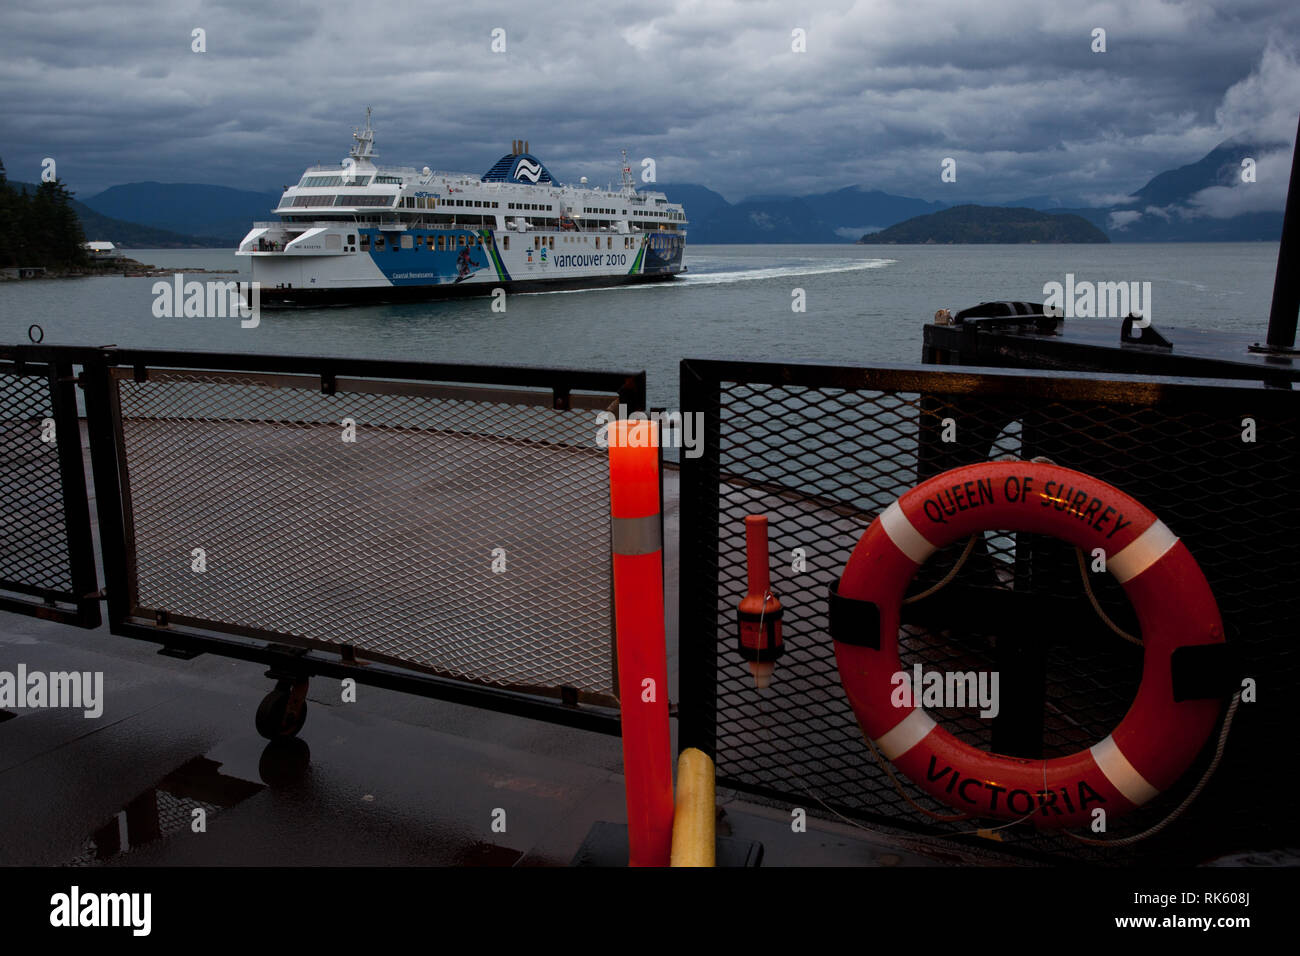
<point x="822" y="450"/>
<point x="436" y="528"/>
<point x="47" y="565"/>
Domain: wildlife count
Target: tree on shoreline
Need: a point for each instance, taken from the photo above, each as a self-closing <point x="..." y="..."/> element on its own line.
<point x="39" y="227"/>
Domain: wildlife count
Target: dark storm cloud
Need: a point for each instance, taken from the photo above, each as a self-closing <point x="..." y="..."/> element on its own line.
<point x="712" y="91"/>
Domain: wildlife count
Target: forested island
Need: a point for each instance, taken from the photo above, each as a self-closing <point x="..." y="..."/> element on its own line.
<point x="989" y="224"/>
<point x="40" y="228"/>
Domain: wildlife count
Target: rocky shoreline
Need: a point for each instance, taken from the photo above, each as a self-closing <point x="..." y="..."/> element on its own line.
<point x="129" y="268"/>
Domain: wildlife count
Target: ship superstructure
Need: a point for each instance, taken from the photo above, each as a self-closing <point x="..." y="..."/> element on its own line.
<point x="362" y="232"/>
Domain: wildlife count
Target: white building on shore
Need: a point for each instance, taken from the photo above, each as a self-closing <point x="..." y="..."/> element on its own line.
<point x="103" y="250"/>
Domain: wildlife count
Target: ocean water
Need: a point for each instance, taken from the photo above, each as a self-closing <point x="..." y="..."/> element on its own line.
<point x="863" y="304"/>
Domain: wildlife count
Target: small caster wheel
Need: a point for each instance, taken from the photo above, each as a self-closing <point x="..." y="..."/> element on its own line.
<point x="274" y="720"/>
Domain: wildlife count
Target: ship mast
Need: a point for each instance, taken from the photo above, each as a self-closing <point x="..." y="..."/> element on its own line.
<point x="364" y="147"/>
<point x="628" y="187"/>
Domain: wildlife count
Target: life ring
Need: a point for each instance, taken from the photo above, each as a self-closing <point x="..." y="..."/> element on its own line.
<point x="1160" y="735"/>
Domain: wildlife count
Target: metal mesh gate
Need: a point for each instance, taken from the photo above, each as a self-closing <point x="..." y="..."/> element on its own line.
<point x="461" y="530"/>
<point x="46" y="558"/>
<point x="821" y="450"/>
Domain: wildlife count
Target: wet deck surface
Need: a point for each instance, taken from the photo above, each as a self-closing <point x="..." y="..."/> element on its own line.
<point x="391" y="779"/>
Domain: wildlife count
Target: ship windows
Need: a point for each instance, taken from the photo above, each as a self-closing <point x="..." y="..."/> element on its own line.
<point x="335" y="181"/>
<point x="379" y="242"/>
<point x="347" y="200"/>
<point x="408" y="242"/>
<point x="505" y="243"/>
<point x="365" y="242"/>
<point x="462" y="242"/>
<point x="537" y="242"/>
<point x="352" y="238"/>
<point x="442" y="243"/>
<point x="552" y="241"/>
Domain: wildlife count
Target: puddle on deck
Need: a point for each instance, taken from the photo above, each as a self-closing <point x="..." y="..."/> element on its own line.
<point x="167" y="808"/>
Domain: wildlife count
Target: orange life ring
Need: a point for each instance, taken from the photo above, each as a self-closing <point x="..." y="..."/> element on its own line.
<point x="1159" y="736"/>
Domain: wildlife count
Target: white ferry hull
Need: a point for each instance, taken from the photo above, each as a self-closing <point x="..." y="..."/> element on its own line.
<point x="409" y="266"/>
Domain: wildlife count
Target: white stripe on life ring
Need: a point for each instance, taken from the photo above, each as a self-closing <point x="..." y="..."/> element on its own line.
<point x="1122" y="775"/>
<point x="904" y="535"/>
<point x="1145" y="550"/>
<point x="909" y="732"/>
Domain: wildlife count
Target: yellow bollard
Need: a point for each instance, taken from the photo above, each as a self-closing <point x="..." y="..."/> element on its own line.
<point x="694" y="840"/>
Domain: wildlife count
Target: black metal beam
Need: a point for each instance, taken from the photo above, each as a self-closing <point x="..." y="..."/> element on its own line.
<point x="76" y="506"/>
<point x="697" y="601"/>
<point x="630" y="386"/>
<point x="311" y="663"/>
<point x="1286" y="282"/>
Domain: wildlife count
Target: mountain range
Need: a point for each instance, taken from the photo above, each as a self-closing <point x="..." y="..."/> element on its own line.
<point x="1174" y="205"/>
<point x="132" y="234"/>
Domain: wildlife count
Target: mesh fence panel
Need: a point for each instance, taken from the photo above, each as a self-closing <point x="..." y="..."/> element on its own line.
<point x="462" y="531"/>
<point x="823" y="461"/>
<point x="34" y="552"/>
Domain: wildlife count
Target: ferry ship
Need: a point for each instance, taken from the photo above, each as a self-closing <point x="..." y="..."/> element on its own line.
<point x="360" y="232"/>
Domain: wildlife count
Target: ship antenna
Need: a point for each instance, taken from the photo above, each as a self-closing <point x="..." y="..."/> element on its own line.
<point x="364" y="148"/>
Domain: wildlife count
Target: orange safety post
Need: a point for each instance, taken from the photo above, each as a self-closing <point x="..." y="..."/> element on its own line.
<point x="758" y="619"/>
<point x="639" y="630"/>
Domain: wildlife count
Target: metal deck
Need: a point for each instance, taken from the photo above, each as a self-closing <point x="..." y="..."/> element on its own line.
<point x="390" y="780"/>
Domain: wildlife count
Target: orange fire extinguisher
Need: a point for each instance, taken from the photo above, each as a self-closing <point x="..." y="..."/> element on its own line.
<point x="758" y="618"/>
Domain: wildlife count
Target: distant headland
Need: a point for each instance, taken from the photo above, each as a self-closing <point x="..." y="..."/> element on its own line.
<point x="989" y="224"/>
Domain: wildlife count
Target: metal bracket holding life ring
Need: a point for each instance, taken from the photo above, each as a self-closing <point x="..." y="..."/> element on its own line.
<point x="1184" y="655"/>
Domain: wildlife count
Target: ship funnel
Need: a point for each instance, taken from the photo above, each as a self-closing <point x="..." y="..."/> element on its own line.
<point x="525" y="146"/>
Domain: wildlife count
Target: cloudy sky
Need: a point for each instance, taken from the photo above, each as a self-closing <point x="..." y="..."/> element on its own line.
<point x="712" y="90"/>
